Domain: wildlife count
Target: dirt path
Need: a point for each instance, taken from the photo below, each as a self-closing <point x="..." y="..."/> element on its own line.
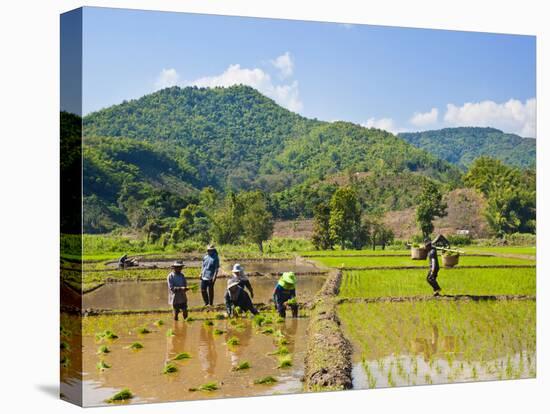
<point x="328" y="363"/>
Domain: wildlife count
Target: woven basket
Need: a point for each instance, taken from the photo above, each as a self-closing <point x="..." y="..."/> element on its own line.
<point x="450" y="261"/>
<point x="419" y="253"/>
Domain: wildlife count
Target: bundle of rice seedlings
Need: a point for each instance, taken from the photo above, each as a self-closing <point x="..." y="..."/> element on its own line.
<point x="136" y="345"/>
<point x="266" y="380"/>
<point x="281" y="350"/>
<point x="103" y="349"/>
<point x="106" y="335"/>
<point x="170" y="332"/>
<point x="189" y="319"/>
<point x="241" y="366"/>
<point x="208" y="323"/>
<point x="65" y="361"/>
<point x="285" y="362"/>
<point x="233" y="341"/>
<point x="220" y="316"/>
<point x="182" y="355"/>
<point x="258" y="320"/>
<point x="283" y="341"/>
<point x="280" y="319"/>
<point x="160" y="322"/>
<point x="102" y="365"/>
<point x="123" y="395"/>
<point x="64" y="346"/>
<point x="218" y="332"/>
<point x="169" y="368"/>
<point x="267" y="331"/>
<point x="209" y="386"/>
<point x="143" y="330"/>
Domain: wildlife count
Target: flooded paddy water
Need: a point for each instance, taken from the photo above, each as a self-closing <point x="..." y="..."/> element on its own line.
<point x="154" y="294"/>
<point x="211" y="359"/>
<point x="440" y="342"/>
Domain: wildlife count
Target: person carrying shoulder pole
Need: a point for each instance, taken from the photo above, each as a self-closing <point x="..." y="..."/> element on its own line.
<point x="209" y="273"/>
<point x="235" y="296"/>
<point x="285" y="294"/>
<point x="177" y="288"/>
<point x="434" y="267"/>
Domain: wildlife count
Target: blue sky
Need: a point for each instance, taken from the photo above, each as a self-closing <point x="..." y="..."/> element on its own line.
<point x="393" y="78"/>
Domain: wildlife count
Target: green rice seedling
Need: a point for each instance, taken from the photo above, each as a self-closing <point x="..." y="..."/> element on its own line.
<point x="64" y="346"/>
<point x="391" y="381"/>
<point x="102" y="365"/>
<point x="269" y="380"/>
<point x="208" y="323"/>
<point x="65" y="361"/>
<point x="170" y="332"/>
<point x="428" y="379"/>
<point x="292" y="301"/>
<point x="285" y="362"/>
<point x="209" y="387"/>
<point x="258" y="320"/>
<point x="169" y="368"/>
<point x="241" y="366"/>
<point x="64" y="331"/>
<point x="189" y="319"/>
<point x="103" y="349"/>
<point x="267" y="331"/>
<point x="281" y="350"/>
<point x="105" y="335"/>
<point x="220" y="317"/>
<point x="218" y="332"/>
<point x="283" y="341"/>
<point x="268" y="320"/>
<point x="233" y="341"/>
<point x="123" y="395"/>
<point x="192" y="389"/>
<point x="143" y="330"/>
<point x="280" y="319"/>
<point x="159" y="322"/>
<point x="182" y="356"/>
<point x="136" y="345"/>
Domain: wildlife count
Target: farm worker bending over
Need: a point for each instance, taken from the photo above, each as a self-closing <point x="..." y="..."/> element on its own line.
<point x="177" y="286"/>
<point x="434" y="267"/>
<point x="238" y="272"/>
<point x="235" y="295"/>
<point x="209" y="273"/>
<point x="285" y="294"/>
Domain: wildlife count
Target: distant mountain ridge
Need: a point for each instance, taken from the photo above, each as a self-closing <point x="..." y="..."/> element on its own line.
<point x="462" y="145"/>
<point x="157" y="152"/>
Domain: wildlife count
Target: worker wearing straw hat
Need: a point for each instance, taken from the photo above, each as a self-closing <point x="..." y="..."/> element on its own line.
<point x="285" y="294"/>
<point x="244" y="282"/>
<point x="235" y="296"/>
<point x="177" y="288"/>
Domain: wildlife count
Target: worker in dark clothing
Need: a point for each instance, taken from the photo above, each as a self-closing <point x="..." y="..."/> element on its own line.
<point x="434" y="267"/>
<point x="122" y="261"/>
<point x="244" y="282"/>
<point x="235" y="295"/>
<point x="285" y="294"/>
<point x="209" y="273"/>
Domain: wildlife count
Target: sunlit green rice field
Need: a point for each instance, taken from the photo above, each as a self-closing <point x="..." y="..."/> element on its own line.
<point x="524" y="250"/>
<point x="382" y="283"/>
<point x="438" y="342"/>
<point x="393" y="261"/>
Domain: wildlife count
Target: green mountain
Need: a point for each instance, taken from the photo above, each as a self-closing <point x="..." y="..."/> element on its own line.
<point x="154" y="154"/>
<point x="461" y="146"/>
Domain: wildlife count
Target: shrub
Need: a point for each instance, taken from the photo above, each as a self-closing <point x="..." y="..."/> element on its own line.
<point x="459" y="239"/>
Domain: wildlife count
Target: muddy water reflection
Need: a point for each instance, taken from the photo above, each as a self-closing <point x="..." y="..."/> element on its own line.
<point x="153" y="295"/>
<point x="211" y="359"/>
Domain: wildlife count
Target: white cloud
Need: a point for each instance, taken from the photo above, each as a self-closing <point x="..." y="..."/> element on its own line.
<point x="512" y="116"/>
<point x="386" y="124"/>
<point x="286" y="95"/>
<point x="284" y="64"/>
<point x="346" y="25"/>
<point x="423" y="119"/>
<point x="167" y="78"/>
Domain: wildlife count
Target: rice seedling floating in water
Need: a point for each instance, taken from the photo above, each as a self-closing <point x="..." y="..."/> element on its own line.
<point x="233" y="341"/>
<point x="266" y="380"/>
<point x="143" y="330"/>
<point x="136" y="345"/>
<point x="281" y="350"/>
<point x="285" y="362"/>
<point x="65" y="361"/>
<point x="64" y="346"/>
<point x="189" y="319"/>
<point x="181" y="356"/>
<point x="283" y="341"/>
<point x="160" y="322"/>
<point x="106" y="335"/>
<point x="103" y="349"/>
<point x="209" y="386"/>
<point x="218" y="332"/>
<point x="170" y="332"/>
<point x="241" y="366"/>
<point x="220" y="316"/>
<point x="267" y="331"/>
<point x="102" y="365"/>
<point x="208" y="323"/>
<point x="123" y="395"/>
<point x="169" y="368"/>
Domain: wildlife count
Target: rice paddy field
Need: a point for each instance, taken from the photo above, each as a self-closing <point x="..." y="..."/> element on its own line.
<point x="165" y="360"/>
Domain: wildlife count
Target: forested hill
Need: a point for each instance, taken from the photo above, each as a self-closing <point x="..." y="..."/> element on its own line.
<point x="158" y="151"/>
<point x="463" y="145"/>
